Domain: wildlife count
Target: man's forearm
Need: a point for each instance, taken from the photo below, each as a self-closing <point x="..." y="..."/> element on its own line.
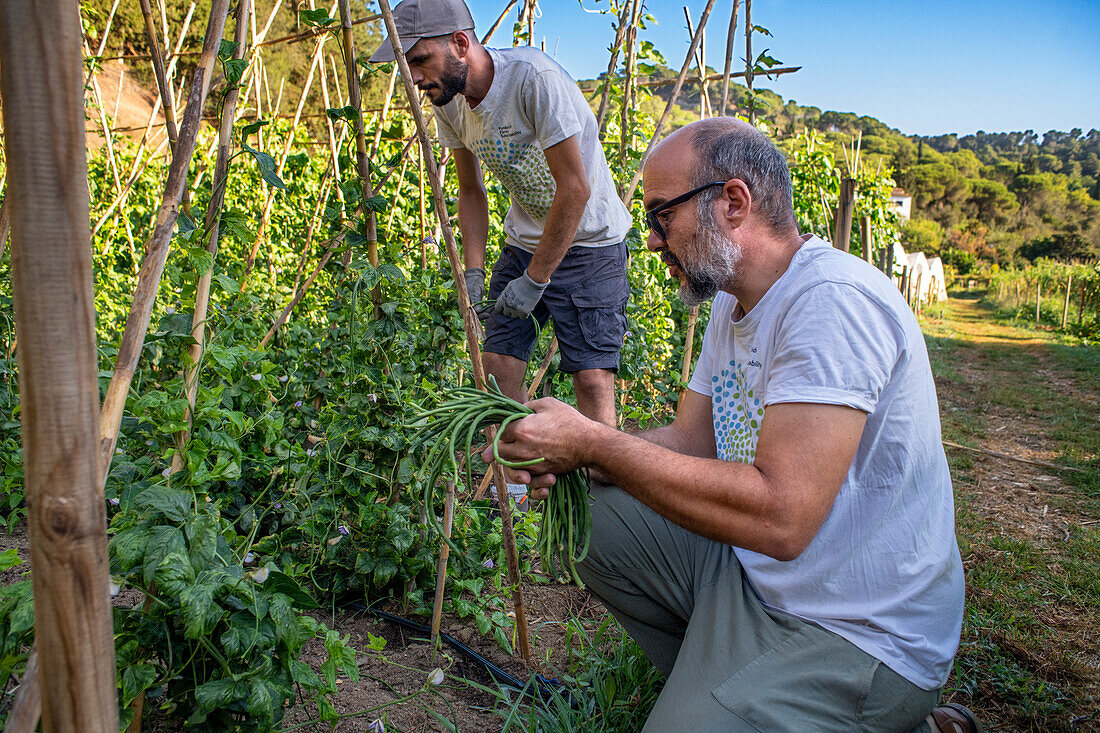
<point x="473" y="222"/>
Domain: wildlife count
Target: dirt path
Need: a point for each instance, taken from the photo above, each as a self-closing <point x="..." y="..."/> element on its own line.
<point x="1023" y="529"/>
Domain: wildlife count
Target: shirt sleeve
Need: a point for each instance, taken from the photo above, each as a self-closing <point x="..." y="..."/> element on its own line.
<point x="836" y="345"/>
<point x="549" y="104"/>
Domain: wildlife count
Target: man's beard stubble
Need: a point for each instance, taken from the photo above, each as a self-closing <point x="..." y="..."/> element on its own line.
<point x="712" y="265"/>
<point x="451" y="83"/>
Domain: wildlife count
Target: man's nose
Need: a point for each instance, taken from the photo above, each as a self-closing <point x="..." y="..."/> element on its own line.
<point x="654" y="242"/>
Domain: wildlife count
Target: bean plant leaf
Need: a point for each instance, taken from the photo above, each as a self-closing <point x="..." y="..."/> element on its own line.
<point x="266" y="164"/>
<point x="226" y="49"/>
<point x="163" y="540"/>
<point x="129" y="545"/>
<point x="316" y="18"/>
<point x="172" y="503"/>
<point x="9" y="559"/>
<point x="174" y="574"/>
<point x="197" y="606"/>
<point x="278" y="582"/>
<point x="234" y="70"/>
<point x="347" y="112"/>
<point x="392" y="272"/>
<point x="377" y="203"/>
<point x="136" y="678"/>
<point x="251" y="128"/>
<point x="215" y="694"/>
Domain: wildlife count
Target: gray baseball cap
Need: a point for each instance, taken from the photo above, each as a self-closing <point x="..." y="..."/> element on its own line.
<point x="416" y="19"/>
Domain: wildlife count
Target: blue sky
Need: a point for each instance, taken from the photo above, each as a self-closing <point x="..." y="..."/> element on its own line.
<point x="923" y="67"/>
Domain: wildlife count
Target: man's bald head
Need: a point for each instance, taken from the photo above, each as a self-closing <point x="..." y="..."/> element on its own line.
<point x="724" y="148"/>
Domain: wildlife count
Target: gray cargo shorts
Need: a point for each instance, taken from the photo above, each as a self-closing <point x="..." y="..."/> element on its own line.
<point x="586" y="298"/>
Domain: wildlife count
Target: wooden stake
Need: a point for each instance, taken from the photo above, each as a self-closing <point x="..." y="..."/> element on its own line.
<point x="671" y="101"/>
<point x="213" y="220"/>
<point x="700" y="54"/>
<point x="470" y="321"/>
<point x="1038" y="298"/>
<point x="332" y="244"/>
<point x="1065" y="306"/>
<point x="865" y="237"/>
<point x="42" y="85"/>
<point x="26" y="708"/>
<point x="842" y="232"/>
<point x="137" y="323"/>
<point x="5" y="225"/>
<point x="625" y="113"/>
<point x="748" y="61"/>
<point x="689" y="345"/>
<point x="385" y="113"/>
<point x="503" y="14"/>
<point x="729" y="58"/>
<point x="1029" y="461"/>
<point x="444" y="554"/>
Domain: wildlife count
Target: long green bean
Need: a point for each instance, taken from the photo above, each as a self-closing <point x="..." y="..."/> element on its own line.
<point x="447" y="429"/>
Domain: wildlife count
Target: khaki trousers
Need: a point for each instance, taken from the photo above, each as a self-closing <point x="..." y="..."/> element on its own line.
<point x="731" y="664"/>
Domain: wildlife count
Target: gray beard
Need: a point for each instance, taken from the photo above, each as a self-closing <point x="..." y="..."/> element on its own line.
<point x="715" y="267"/>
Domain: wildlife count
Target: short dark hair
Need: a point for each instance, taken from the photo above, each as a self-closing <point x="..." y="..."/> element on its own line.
<point x="724" y="151"/>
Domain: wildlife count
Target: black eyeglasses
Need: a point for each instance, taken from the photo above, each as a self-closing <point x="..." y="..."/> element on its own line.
<point x="651" y="215"/>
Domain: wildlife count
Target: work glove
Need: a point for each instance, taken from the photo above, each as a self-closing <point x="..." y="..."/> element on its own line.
<point x="475" y="287"/>
<point x="519" y="297"/>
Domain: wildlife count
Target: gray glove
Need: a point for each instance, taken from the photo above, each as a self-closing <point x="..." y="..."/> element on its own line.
<point x="475" y="287"/>
<point x="519" y="297"/>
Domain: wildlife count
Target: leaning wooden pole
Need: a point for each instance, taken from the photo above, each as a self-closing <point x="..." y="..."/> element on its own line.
<point x="469" y="319"/>
<point x="605" y="95"/>
<point x="729" y="58"/>
<point x="42" y="84"/>
<point x="671" y="100"/>
<point x="156" y="249"/>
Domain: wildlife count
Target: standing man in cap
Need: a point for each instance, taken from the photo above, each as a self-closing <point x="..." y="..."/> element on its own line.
<point x="564" y="257"/>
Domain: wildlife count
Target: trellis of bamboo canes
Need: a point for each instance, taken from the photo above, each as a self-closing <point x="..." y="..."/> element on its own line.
<point x="470" y="321"/>
<point x="626" y="137"/>
<point x="500" y="19"/>
<point x="729" y="58"/>
<point x="41" y="81"/>
<point x="355" y="100"/>
<point x="269" y="197"/>
<point x="629" y="195"/>
<point x="749" y="65"/>
<point x="137" y="322"/>
<point x="605" y="95"/>
<point x="212" y="228"/>
<point x="705" y="109"/>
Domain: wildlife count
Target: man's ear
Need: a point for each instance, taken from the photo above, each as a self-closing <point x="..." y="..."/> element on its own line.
<point x="736" y="202"/>
<point x="460" y="43"/>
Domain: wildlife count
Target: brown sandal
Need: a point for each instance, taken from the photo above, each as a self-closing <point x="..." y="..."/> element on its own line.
<point x="954" y="718"/>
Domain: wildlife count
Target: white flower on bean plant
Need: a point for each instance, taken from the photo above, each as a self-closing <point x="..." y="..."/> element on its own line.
<point x="377" y="726"/>
<point x="260" y="574"/>
<point x="488" y="564"/>
<point x="257" y="377"/>
<point x="436" y="677"/>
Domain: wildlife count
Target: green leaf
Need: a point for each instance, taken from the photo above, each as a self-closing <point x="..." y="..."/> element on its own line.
<point x="172" y="503"/>
<point x="375" y="643"/>
<point x="215" y="694"/>
<point x="263" y="700"/>
<point x="129" y="546"/>
<point x="163" y="541"/>
<point x="347" y="112"/>
<point x="250" y="129"/>
<point x="266" y="164"/>
<point x="197" y="606"/>
<point x="316" y="18"/>
<point x="377" y="203"/>
<point x="392" y="273"/>
<point x="384" y="570"/>
<point x="9" y="559"/>
<point x="201" y="260"/>
<point x="136" y="678"/>
<point x="234" y="70"/>
<point x="202" y="535"/>
<point x="342" y="655"/>
<point x="278" y="582"/>
<point x="304" y="675"/>
<point x="174" y="574"/>
<point x="226" y="49"/>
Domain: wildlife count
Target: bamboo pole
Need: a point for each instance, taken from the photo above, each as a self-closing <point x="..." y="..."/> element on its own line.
<point x="444" y="554"/>
<point x="470" y="321"/>
<point x="700" y="55"/>
<point x="671" y="101"/>
<point x="137" y="323"/>
<point x="689" y="345"/>
<point x="159" y="73"/>
<point x="385" y="113"/>
<point x="355" y="100"/>
<point x="332" y="244"/>
<point x="213" y="221"/>
<point x="493" y="29"/>
<point x="107" y="28"/>
<point x="749" y="66"/>
<point x="313" y="32"/>
<point x="1065" y="306"/>
<point x="625" y="136"/>
<point x="605" y="96"/>
<point x="5" y="224"/>
<point x="1038" y="298"/>
<point x="42" y="85"/>
<point x="865" y="237"/>
<point x="729" y="58"/>
<point x="322" y="199"/>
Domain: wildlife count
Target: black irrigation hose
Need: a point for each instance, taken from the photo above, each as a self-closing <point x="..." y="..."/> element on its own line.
<point x="545" y="687"/>
<point x="453" y="425"/>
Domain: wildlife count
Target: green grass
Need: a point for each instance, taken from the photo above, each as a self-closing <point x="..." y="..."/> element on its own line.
<point x="1032" y="600"/>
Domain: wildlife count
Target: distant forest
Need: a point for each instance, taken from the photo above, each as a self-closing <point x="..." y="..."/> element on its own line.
<point x="997" y="197"/>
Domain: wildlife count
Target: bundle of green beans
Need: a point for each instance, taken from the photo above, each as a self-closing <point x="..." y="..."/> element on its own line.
<point x="455" y="424"/>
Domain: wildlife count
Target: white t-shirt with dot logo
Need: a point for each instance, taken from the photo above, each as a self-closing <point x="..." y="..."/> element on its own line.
<point x="532" y="105"/>
<point x="884" y="570"/>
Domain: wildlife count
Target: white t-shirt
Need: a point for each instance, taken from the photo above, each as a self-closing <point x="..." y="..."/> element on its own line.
<point x="531" y="105"/>
<point x="884" y="570"/>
